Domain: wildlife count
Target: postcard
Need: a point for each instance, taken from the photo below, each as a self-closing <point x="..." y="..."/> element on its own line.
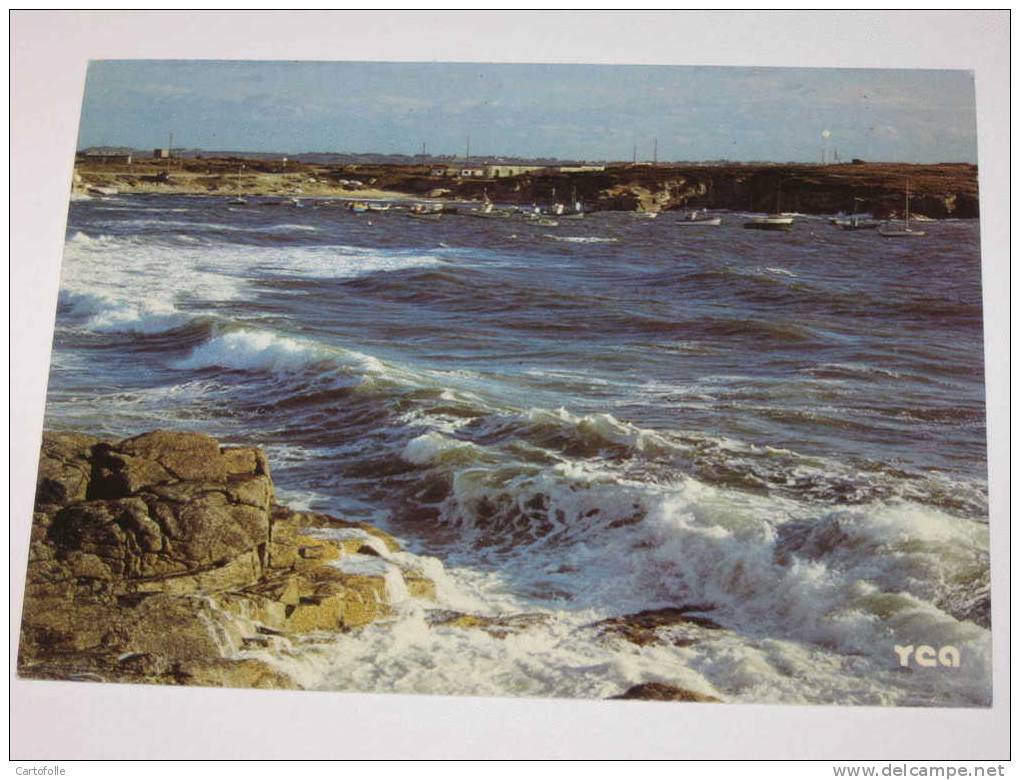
<point x="562" y="381"/>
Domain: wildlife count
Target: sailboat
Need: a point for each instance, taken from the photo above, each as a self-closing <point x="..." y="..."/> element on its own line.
<point x="774" y="221"/>
<point x="488" y="210"/>
<point x="905" y="232"/>
<point x="578" y="212"/>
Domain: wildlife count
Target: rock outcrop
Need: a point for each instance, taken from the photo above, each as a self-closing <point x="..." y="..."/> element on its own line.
<point x="677" y="626"/>
<point x="663" y="692"/>
<point x="161" y="557"/>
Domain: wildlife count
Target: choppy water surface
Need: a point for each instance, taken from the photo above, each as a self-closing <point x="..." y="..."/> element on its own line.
<point x="585" y="420"/>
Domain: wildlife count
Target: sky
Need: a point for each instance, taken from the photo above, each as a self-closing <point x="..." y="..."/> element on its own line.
<point x="583" y="112"/>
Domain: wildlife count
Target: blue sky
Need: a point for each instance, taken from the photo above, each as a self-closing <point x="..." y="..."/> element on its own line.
<point x="592" y="112"/>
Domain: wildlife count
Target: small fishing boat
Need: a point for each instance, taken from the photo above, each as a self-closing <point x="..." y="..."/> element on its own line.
<point x="357" y="207"/>
<point x="888" y="231"/>
<point x="645" y="214"/>
<point x="238" y="201"/>
<point x="378" y="206"/>
<point x="694" y="219"/>
<point x="423" y="211"/>
<point x="770" y="222"/>
<point x="488" y="211"/>
<point x="578" y="212"/>
<point x="855" y="220"/>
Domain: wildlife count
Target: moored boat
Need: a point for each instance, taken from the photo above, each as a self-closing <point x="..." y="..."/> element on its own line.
<point x="488" y="211"/>
<point x="856" y="222"/>
<point x="778" y="220"/>
<point x="424" y="211"/>
<point x="889" y="231"/>
<point x="770" y="222"/>
<point x="694" y="219"/>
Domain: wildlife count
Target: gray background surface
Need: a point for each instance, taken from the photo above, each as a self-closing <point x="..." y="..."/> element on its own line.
<point x="49" y="52"/>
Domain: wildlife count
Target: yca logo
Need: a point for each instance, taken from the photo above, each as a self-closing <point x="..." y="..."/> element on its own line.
<point x="928" y="656"/>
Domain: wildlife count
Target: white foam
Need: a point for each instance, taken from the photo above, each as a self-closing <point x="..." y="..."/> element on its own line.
<point x="432" y="446"/>
<point x="583" y="239"/>
<point x="105" y="313"/>
<point x="138" y="283"/>
<point x="262" y="350"/>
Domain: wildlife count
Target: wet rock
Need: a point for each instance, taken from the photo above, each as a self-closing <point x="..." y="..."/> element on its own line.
<point x="673" y="625"/>
<point x="191" y="456"/>
<point x="242" y="673"/>
<point x="161" y="557"/>
<point x="663" y="692"/>
<point x="498" y="626"/>
<point x="116" y="475"/>
<point x="64" y="468"/>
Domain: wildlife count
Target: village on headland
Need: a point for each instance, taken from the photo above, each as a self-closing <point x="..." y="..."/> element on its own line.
<point x="937" y="191"/>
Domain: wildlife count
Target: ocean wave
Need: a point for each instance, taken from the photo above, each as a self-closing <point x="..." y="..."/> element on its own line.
<point x="856" y="580"/>
<point x="105" y="313"/>
<point x="583" y="239"/>
<point x="252" y="350"/>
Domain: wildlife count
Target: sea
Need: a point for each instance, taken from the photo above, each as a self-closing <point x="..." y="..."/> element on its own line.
<point x="784" y="431"/>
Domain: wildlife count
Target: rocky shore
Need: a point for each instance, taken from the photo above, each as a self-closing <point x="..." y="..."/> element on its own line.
<point x="164" y="558"/>
<point x="939" y="191"/>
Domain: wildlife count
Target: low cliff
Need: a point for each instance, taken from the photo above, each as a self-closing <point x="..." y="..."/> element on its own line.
<point x="163" y="557"/>
<point x="938" y="191"/>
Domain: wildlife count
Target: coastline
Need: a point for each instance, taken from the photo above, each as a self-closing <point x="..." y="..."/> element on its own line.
<point x="938" y="191"/>
<point x="164" y="558"/>
<point x="256" y="185"/>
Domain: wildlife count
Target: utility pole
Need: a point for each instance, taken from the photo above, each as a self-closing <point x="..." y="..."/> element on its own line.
<point x="635" y="153"/>
<point x="655" y="151"/>
<point x="170" y="145"/>
<point x="467" y="151"/>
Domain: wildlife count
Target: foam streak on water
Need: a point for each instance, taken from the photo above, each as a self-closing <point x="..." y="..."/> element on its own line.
<point x="786" y="430"/>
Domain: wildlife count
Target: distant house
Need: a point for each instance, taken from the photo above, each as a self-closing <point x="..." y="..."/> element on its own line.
<point x="580" y="168"/>
<point x="161" y="154"/>
<point x="486" y="171"/>
<point x="105" y="158"/>
<point x="502" y="171"/>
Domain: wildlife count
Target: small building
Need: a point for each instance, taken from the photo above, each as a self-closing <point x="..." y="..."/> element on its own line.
<point x="161" y="154"/>
<point x="485" y="171"/>
<point x="103" y="158"/>
<point x="503" y="171"/>
<point x="580" y="168"/>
